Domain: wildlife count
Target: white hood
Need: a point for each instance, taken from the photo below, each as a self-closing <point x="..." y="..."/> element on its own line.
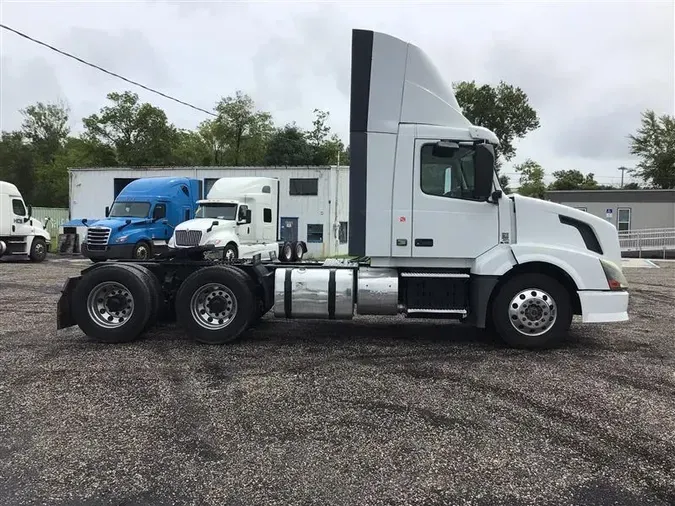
<point x="203" y="224"/>
<point x="539" y="221"/>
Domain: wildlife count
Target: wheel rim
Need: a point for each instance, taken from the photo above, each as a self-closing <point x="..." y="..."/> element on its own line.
<point x="110" y="304"/>
<point x="142" y="252"/>
<point x="298" y="251"/>
<point x="229" y="254"/>
<point x="39" y="249"/>
<point x="532" y="312"/>
<point x="213" y="306"/>
<point x="288" y="252"/>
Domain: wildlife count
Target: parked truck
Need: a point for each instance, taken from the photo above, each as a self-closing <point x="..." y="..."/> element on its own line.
<point x="431" y="232"/>
<point x="240" y="218"/>
<point x="141" y="220"/>
<point x="21" y="235"/>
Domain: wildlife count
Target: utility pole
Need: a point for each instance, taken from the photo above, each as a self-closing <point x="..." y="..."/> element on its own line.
<point x="622" y="169"/>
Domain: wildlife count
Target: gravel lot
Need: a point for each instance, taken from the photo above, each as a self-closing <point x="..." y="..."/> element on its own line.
<point x="374" y="411"/>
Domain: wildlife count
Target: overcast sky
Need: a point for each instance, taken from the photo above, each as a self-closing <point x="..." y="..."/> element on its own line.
<point x="588" y="68"/>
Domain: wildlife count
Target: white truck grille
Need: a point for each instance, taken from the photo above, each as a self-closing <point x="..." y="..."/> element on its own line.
<point x="98" y="236"/>
<point x="188" y="237"/>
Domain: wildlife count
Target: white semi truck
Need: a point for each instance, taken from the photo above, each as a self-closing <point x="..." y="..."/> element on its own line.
<point x="21" y="235"/>
<point x="239" y="217"/>
<point x="432" y="232"/>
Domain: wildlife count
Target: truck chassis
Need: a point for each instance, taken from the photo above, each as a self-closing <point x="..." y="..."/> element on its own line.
<point x="215" y="301"/>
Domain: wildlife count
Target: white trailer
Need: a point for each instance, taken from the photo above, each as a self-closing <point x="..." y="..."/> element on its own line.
<point x="240" y="218"/>
<point x="432" y="233"/>
<point x="21" y="235"/>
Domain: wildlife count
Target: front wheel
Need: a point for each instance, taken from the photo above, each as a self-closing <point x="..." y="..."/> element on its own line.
<point x="532" y="311"/>
<point x="38" y="250"/>
<point x="142" y="251"/>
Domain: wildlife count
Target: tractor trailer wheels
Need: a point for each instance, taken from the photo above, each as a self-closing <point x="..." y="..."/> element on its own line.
<point x="216" y="304"/>
<point x="532" y="311"/>
<point x="113" y="303"/>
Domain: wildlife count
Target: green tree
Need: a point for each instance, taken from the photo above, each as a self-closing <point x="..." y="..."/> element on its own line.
<point x="654" y="143"/>
<point x="531" y="179"/>
<point x="504" y="109"/>
<point x="327" y="147"/>
<point x="288" y="146"/>
<point x="45" y="126"/>
<point x="573" y="180"/>
<point x="192" y="149"/>
<point x="241" y="130"/>
<point x="139" y="133"/>
<point x="17" y="162"/>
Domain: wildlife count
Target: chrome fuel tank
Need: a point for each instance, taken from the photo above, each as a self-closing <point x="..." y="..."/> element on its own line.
<point x="314" y="293"/>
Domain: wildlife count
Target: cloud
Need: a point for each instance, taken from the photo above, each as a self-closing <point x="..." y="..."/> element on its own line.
<point x="589" y="69"/>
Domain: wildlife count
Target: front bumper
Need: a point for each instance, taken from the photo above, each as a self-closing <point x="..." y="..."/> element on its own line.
<point x="603" y="306"/>
<point x="108" y="252"/>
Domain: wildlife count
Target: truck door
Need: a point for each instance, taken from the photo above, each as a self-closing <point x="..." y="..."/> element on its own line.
<point x="160" y="229"/>
<point x="447" y="221"/>
<point x="20" y="226"/>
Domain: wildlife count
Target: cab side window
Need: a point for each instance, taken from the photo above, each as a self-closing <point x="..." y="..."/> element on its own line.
<point x="159" y="212"/>
<point x="18" y="208"/>
<point x="450" y="176"/>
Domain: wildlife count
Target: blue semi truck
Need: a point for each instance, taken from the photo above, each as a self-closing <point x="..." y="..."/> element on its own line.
<point x="142" y="218"/>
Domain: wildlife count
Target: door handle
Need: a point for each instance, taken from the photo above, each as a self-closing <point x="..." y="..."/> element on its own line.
<point x="424" y="243"/>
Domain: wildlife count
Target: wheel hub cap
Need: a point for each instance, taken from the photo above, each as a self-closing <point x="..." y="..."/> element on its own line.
<point x="110" y="304"/>
<point x="213" y="306"/>
<point x="532" y="312"/>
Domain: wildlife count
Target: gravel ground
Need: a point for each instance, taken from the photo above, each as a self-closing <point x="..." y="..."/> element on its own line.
<point x="374" y="411"/>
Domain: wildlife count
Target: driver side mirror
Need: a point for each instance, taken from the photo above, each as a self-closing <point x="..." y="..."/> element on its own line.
<point x="107" y="211"/>
<point x="484" y="163"/>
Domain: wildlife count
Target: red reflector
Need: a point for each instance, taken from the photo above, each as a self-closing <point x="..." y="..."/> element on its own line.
<point x="614" y="284"/>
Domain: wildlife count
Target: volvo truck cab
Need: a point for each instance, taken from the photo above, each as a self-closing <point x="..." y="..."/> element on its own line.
<point x="21" y="235"/>
<point x="430" y="231"/>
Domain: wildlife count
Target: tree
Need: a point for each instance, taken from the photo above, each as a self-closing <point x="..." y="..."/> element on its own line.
<point x="289" y="146"/>
<point x="139" y="133"/>
<point x="631" y="186"/>
<point x="241" y="130"/>
<point x="192" y="149"/>
<point x="654" y="143"/>
<point x="326" y="150"/>
<point x="504" y="109"/>
<point x="531" y="179"/>
<point x="573" y="180"/>
<point x="45" y="126"/>
<point x="17" y="162"/>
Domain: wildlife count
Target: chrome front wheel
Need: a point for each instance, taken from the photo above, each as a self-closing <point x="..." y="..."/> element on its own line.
<point x="532" y="312"/>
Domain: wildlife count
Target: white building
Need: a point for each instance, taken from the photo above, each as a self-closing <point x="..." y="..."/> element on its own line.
<point x="312" y="208"/>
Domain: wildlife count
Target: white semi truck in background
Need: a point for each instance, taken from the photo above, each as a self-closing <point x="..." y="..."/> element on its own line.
<point x="432" y="234"/>
<point x="240" y="219"/>
<point x="21" y="235"/>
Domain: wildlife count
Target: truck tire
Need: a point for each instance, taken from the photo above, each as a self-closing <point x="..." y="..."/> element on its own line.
<point x="532" y="311"/>
<point x="215" y="304"/>
<point x="230" y="252"/>
<point x="142" y="251"/>
<point x="112" y="303"/>
<point x="286" y="252"/>
<point x="298" y="251"/>
<point x="158" y="303"/>
<point x="38" y="250"/>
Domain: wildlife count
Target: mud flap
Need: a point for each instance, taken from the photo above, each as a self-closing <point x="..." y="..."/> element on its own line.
<point x="64" y="316"/>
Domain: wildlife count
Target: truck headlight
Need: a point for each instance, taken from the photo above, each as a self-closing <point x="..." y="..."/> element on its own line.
<point x="122" y="238"/>
<point x="215" y="242"/>
<point x="615" y="278"/>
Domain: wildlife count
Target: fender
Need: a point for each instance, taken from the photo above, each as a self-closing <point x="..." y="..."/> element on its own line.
<point x="583" y="267"/>
<point x="220" y="237"/>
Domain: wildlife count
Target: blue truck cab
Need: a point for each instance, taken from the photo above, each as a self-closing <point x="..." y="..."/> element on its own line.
<point x="142" y="218"/>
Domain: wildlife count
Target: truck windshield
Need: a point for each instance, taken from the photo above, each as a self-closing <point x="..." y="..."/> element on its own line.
<point x="130" y="210"/>
<point x="220" y="211"/>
